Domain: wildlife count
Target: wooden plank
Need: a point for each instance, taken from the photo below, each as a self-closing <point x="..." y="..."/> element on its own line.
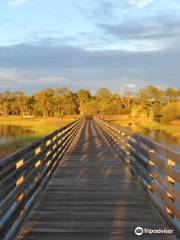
<point x="92" y="196"/>
<point x="29" y="179"/>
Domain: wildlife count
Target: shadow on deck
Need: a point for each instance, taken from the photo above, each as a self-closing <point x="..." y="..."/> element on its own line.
<point x="92" y="196"/>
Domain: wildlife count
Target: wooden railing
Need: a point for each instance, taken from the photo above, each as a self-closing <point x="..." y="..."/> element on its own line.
<point x="156" y="168"/>
<point x="113" y="118"/>
<point x="24" y="173"/>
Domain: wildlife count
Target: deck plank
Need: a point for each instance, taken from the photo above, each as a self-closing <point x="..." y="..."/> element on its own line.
<point x="91" y="196"/>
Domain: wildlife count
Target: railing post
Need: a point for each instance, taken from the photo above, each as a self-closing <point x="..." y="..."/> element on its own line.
<point x="156" y="168"/>
<point x="24" y="173"/>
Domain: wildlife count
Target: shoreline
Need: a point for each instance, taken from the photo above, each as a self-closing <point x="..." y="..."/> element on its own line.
<point x="39" y="126"/>
<point x="171" y="128"/>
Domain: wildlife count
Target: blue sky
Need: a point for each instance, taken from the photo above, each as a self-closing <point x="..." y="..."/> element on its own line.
<point x="125" y="44"/>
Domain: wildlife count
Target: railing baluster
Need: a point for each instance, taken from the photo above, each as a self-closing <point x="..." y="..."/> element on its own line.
<point x="24" y="173"/>
<point x="157" y="168"/>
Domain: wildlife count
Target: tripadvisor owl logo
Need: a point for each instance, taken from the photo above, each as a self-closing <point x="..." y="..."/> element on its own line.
<point x="139" y="231"/>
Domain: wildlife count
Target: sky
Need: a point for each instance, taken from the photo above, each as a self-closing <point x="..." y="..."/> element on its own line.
<point x="122" y="45"/>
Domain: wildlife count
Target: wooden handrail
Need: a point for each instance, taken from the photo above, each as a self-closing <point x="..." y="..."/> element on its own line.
<point x="23" y="174"/>
<point x="156" y="168"/>
<point x="114" y="118"/>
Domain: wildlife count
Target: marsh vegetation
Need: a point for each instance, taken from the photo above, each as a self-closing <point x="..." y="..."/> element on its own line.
<point x="150" y="112"/>
<point x="17" y="132"/>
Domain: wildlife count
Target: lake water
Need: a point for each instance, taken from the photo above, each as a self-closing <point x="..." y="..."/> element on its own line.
<point x="9" y="132"/>
<point x="10" y="136"/>
<point x="158" y="136"/>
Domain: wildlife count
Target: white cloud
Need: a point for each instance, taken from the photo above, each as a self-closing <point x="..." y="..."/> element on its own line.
<point x="129" y="85"/>
<point x="17" y="2"/>
<point x="15" y="79"/>
<point x="140" y="3"/>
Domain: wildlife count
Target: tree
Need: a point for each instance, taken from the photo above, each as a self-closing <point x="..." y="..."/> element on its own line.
<point x="58" y="98"/>
<point x="61" y="101"/>
<point x="139" y="111"/>
<point x="170" y="93"/>
<point x="103" y="93"/>
<point x="84" y="97"/>
<point x="150" y="94"/>
<point x="128" y="97"/>
<point x="171" y="112"/>
<point x="44" y="103"/>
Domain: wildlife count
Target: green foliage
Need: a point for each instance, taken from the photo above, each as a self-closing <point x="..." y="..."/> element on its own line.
<point x="139" y="111"/>
<point x="150" y="102"/>
<point x="84" y="97"/>
<point x="171" y="112"/>
<point x="103" y="93"/>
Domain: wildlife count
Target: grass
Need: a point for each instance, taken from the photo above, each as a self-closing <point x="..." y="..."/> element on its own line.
<point x="39" y="127"/>
<point x="173" y="129"/>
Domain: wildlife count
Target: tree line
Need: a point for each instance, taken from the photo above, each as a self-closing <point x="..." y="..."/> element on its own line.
<point x="149" y="102"/>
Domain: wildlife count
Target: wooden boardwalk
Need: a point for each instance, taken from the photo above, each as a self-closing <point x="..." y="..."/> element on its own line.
<point x="92" y="196"/>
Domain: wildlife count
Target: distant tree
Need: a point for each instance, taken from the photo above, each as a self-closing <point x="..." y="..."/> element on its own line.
<point x="93" y="107"/>
<point x="139" y="111"/>
<point x="61" y="91"/>
<point x="6" y="100"/>
<point x="20" y="102"/>
<point x="84" y="97"/>
<point x="150" y="102"/>
<point x="60" y="94"/>
<point x="178" y="93"/>
<point x="171" y="112"/>
<point x="103" y="93"/>
<point x="70" y="104"/>
<point x="150" y="94"/>
<point x="44" y="103"/>
<point x="170" y="94"/>
<point x="128" y="98"/>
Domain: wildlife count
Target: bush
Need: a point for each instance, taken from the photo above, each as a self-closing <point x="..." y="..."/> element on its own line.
<point x="171" y="112"/>
<point x="139" y="111"/>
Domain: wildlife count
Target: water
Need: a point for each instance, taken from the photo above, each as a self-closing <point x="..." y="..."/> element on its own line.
<point x="9" y="132"/>
<point x="11" y="138"/>
<point x="160" y="136"/>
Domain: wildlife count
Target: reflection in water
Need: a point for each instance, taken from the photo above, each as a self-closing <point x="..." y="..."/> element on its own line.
<point x="11" y="138"/>
<point x="160" y="136"/>
<point x="8" y="132"/>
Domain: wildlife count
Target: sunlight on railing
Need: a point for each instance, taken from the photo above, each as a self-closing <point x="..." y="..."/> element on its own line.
<point x="156" y="168"/>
